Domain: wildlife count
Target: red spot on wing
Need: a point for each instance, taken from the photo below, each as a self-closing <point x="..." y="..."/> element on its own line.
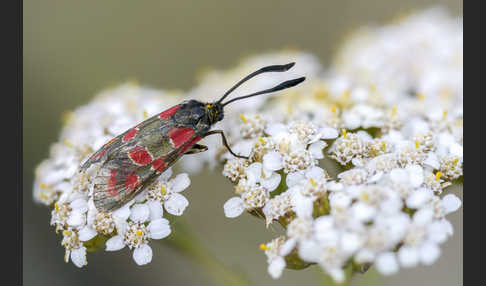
<point x="189" y="145"/>
<point x="180" y="136"/>
<point x="159" y="164"/>
<point x="169" y="112"/>
<point x="130" y="134"/>
<point x="111" y="188"/>
<point x="140" y="155"/>
<point x="132" y="181"/>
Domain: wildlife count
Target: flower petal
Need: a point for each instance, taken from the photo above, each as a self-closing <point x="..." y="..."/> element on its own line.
<point x="164" y="177"/>
<point x="316" y="149"/>
<point x="451" y="203"/>
<point x="140" y="213"/>
<point x="176" y="204"/>
<point x="179" y="183"/>
<point x="156" y="209"/>
<point x="159" y="228"/>
<point x="329" y="133"/>
<point x="272" y="161"/>
<point x="143" y="254"/>
<point x="254" y="173"/>
<point x="86" y="233"/>
<point x="429" y="253"/>
<point x="271" y="183"/>
<point x="123" y="213"/>
<point x="408" y="256"/>
<point x="276" y="267"/>
<point x="76" y="219"/>
<point x="80" y="205"/>
<point x="387" y="263"/>
<point x="115" y="243"/>
<point x="233" y="207"/>
<point x="78" y="256"/>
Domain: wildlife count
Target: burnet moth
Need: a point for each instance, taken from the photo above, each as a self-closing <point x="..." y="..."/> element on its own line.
<point x="134" y="159"/>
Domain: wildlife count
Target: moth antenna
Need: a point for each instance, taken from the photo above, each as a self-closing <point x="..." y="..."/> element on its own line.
<point x="274" y="68"/>
<point x="283" y="85"/>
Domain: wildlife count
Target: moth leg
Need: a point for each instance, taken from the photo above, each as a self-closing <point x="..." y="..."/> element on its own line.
<point x="197" y="148"/>
<point x="225" y="143"/>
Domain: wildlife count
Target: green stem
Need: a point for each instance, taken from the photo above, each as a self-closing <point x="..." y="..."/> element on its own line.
<point x="184" y="241"/>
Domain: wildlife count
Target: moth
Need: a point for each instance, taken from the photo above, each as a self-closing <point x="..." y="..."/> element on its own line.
<point x="134" y="159"/>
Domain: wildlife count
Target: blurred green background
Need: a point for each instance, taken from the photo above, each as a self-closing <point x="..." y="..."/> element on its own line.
<point x="74" y="49"/>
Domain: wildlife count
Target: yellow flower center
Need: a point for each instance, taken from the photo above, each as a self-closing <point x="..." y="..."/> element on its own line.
<point x="344" y="132"/>
<point x="313" y="182"/>
<point x="243" y="118"/>
<point x="263" y="246"/>
<point x="162" y="190"/>
<point x="262" y="140"/>
<point x="438" y="175"/>
<point x="456" y="161"/>
<point x="139" y="233"/>
<point x="334" y="109"/>
<point x="444" y="115"/>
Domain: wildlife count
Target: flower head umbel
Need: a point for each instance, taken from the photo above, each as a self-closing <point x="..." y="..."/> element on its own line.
<point x="394" y="125"/>
<point x="70" y="193"/>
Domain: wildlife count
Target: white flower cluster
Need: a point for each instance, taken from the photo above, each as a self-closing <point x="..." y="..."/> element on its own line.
<point x="388" y="114"/>
<point x="389" y="111"/>
<point x="59" y="184"/>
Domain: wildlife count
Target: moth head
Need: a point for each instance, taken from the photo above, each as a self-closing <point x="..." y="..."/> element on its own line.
<point x="214" y="112"/>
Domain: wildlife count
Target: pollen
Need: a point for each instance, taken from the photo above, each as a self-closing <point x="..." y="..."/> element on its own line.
<point x="420" y="96"/>
<point x="262" y="140"/>
<point x="438" y="175"/>
<point x="444" y="115"/>
<point x="43" y="186"/>
<point x="383" y="145"/>
<point x="145" y="114"/>
<point x="66" y="232"/>
<point x="162" y="190"/>
<point x="263" y="247"/>
<point x="417" y="144"/>
<point x="456" y="161"/>
<point x="365" y="197"/>
<point x="344" y="132"/>
<point x="56" y="206"/>
<point x="243" y="118"/>
<point x="312" y="182"/>
<point x="334" y="109"/>
<point x="139" y="233"/>
<point x="394" y="110"/>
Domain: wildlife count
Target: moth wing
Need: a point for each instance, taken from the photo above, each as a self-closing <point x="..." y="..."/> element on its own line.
<point x="116" y="185"/>
<point x="123" y="139"/>
<point x="133" y="166"/>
